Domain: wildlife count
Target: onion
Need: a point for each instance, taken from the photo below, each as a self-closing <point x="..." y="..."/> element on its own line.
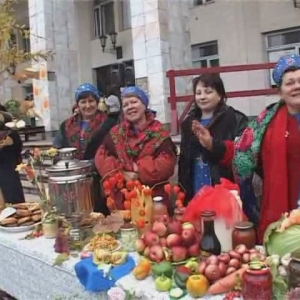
<point x="240" y="249"/>
<point x="212" y="273"/>
<point x="201" y="268"/>
<point x="253" y="251"/>
<point x="234" y="254"/>
<point x="212" y="260"/>
<point x="230" y="270"/>
<point x="224" y="257"/>
<point x="234" y="263"/>
<point x="222" y="268"/>
<point x="246" y="258"/>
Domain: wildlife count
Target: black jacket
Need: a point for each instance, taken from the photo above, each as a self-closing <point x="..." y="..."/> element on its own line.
<point x="226" y="124"/>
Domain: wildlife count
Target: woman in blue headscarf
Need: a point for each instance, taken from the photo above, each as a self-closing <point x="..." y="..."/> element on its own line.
<point x="139" y="146"/>
<point x="270" y="146"/>
<point x="86" y="129"/>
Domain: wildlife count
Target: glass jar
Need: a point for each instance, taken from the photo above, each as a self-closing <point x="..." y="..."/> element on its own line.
<point x="294" y="273"/>
<point x="50" y="228"/>
<point x="244" y="233"/>
<point x="209" y="243"/>
<point x="128" y="236"/>
<point x="257" y="284"/>
<point x="159" y="209"/>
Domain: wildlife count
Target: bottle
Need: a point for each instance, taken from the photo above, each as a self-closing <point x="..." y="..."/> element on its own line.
<point x="209" y="243"/>
<point x="159" y="209"/>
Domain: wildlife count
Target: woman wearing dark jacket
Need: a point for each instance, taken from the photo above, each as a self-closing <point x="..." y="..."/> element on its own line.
<point x="10" y="157"/>
<point x="203" y="134"/>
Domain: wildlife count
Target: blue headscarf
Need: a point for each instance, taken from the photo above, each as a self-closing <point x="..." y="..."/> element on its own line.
<point x="87" y="87"/>
<point x="285" y="62"/>
<point x="134" y="90"/>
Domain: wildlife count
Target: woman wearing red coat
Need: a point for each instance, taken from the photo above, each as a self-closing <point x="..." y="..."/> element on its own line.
<point x="139" y="145"/>
<point x="270" y="146"/>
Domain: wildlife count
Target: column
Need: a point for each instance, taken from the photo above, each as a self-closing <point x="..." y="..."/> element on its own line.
<point x="52" y="24"/>
<point x="161" y="41"/>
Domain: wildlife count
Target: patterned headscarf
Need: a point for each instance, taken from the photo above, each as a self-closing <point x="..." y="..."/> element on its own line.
<point x="87" y="87"/>
<point x="285" y="62"/>
<point x="134" y="90"/>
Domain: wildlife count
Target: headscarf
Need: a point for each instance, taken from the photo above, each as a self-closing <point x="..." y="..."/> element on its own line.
<point x="87" y="87"/>
<point x="134" y="90"/>
<point x="284" y="63"/>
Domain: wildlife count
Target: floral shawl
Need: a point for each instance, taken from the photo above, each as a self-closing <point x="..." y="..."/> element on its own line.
<point x="248" y="146"/>
<point x="131" y="145"/>
<point x="73" y="129"/>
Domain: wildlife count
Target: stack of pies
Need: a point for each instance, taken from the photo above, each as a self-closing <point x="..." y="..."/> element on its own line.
<point x="26" y="214"/>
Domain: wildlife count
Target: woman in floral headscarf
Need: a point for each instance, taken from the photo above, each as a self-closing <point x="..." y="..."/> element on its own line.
<point x="270" y="146"/>
<point x="139" y="145"/>
<point x="85" y="131"/>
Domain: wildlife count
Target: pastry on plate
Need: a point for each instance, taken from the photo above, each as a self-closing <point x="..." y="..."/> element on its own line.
<point x="11" y="221"/>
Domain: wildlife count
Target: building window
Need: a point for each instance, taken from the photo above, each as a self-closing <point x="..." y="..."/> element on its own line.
<point x="26" y="41"/>
<point x="202" y="2"/>
<point x="282" y="43"/>
<point x="124" y="15"/>
<point x="104" y="19"/>
<point x="205" y="55"/>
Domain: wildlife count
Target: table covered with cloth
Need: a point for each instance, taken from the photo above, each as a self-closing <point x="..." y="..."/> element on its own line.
<point x="27" y="273"/>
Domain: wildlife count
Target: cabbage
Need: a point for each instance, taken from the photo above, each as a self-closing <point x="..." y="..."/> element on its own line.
<point x="282" y="243"/>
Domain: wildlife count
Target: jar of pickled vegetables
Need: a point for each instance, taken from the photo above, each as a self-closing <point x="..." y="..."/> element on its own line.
<point x="128" y="236"/>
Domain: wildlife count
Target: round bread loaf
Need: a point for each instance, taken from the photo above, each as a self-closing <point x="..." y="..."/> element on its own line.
<point x="23" y="212"/>
<point x="9" y="221"/>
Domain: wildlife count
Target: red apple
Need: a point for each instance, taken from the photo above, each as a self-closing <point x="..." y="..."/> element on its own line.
<point x="174" y="226"/>
<point x="163" y="242"/>
<point x="188" y="225"/>
<point x="165" y="219"/>
<point x="140" y="245"/>
<point x="146" y="252"/>
<point x="160" y="228"/>
<point x="151" y="238"/>
<point x="179" y="253"/>
<point x="174" y="240"/>
<point x="156" y="253"/>
<point x="188" y="234"/>
<point x="194" y="250"/>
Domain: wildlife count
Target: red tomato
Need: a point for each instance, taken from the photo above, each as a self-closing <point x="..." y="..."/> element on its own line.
<point x="119" y="176"/>
<point x="137" y="183"/>
<point x="112" y="181"/>
<point x="167" y="188"/>
<point x="106" y="185"/>
<point x="147" y="192"/>
<point x="176" y="189"/>
<point x="133" y="194"/>
<point x="130" y="185"/>
<point x="181" y="196"/>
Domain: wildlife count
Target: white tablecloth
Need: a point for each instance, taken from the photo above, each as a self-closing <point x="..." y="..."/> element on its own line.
<point x="27" y="273"/>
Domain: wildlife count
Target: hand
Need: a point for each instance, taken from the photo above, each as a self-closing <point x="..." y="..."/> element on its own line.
<point x="202" y="134"/>
<point x="6" y="142"/>
<point x="130" y="175"/>
<point x="135" y="167"/>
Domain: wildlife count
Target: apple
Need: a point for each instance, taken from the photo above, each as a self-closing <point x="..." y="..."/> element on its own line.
<point x="160" y="228"/>
<point x="164" y="218"/>
<point x="188" y="225"/>
<point x="194" y="250"/>
<point x="156" y="253"/>
<point x="163" y="242"/>
<point x="188" y="233"/>
<point x="140" y="245"/>
<point x="146" y="252"/>
<point x="151" y="238"/>
<point x="174" y="226"/>
<point x="174" y="240"/>
<point x="179" y="253"/>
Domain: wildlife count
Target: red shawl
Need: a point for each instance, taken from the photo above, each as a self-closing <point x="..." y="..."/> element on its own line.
<point x="131" y="145"/>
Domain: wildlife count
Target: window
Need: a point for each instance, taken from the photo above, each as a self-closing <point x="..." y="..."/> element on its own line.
<point x="205" y="55"/>
<point x="202" y="2"/>
<point x="104" y="19"/>
<point x="124" y="15"/>
<point x="282" y="43"/>
<point x="26" y="42"/>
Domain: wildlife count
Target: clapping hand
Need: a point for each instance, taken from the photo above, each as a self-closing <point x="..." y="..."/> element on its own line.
<point x="202" y="134"/>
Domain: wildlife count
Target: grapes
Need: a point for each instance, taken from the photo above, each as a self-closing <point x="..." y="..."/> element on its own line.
<point x="232" y="295"/>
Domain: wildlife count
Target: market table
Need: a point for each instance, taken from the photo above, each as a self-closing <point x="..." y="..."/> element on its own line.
<point x="27" y="273"/>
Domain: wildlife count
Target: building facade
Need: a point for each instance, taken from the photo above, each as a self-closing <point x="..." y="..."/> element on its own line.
<point x="153" y="36"/>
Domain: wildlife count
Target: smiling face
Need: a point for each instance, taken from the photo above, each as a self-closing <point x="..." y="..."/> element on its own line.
<point x="133" y="109"/>
<point x="206" y="98"/>
<point x="87" y="107"/>
<point x="290" y="90"/>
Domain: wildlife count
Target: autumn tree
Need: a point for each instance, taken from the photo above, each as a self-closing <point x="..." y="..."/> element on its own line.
<point x="10" y="54"/>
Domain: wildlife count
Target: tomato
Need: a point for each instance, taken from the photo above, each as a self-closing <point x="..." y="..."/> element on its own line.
<point x="147" y="192"/>
<point x="112" y="181"/>
<point x="167" y="188"/>
<point x="181" y="196"/>
<point x="130" y="185"/>
<point x="120" y="184"/>
<point x="176" y="189"/>
<point x="127" y="195"/>
<point x="140" y="223"/>
<point x="179" y="203"/>
<point x="137" y="183"/>
<point x="127" y="205"/>
<point x="106" y="185"/>
<point x="107" y="192"/>
<point x="119" y="176"/>
<point x="133" y="194"/>
<point x="197" y="285"/>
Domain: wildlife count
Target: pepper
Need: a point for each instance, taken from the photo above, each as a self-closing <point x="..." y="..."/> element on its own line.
<point x="181" y="276"/>
<point x="142" y="270"/>
<point x="163" y="283"/>
<point x="163" y="268"/>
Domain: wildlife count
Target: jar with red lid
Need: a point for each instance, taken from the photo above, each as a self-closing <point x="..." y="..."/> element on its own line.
<point x="257" y="284"/>
<point x="244" y="233"/>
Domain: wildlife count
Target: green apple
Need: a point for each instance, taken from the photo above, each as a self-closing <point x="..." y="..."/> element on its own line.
<point x="163" y="283"/>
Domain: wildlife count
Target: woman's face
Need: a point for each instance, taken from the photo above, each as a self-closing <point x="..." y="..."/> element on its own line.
<point x="133" y="109"/>
<point x="87" y="107"/>
<point x="290" y="90"/>
<point x="206" y="98"/>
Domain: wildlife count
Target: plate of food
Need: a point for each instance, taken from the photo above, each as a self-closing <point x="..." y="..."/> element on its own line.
<point x="104" y="242"/>
<point x="26" y="217"/>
